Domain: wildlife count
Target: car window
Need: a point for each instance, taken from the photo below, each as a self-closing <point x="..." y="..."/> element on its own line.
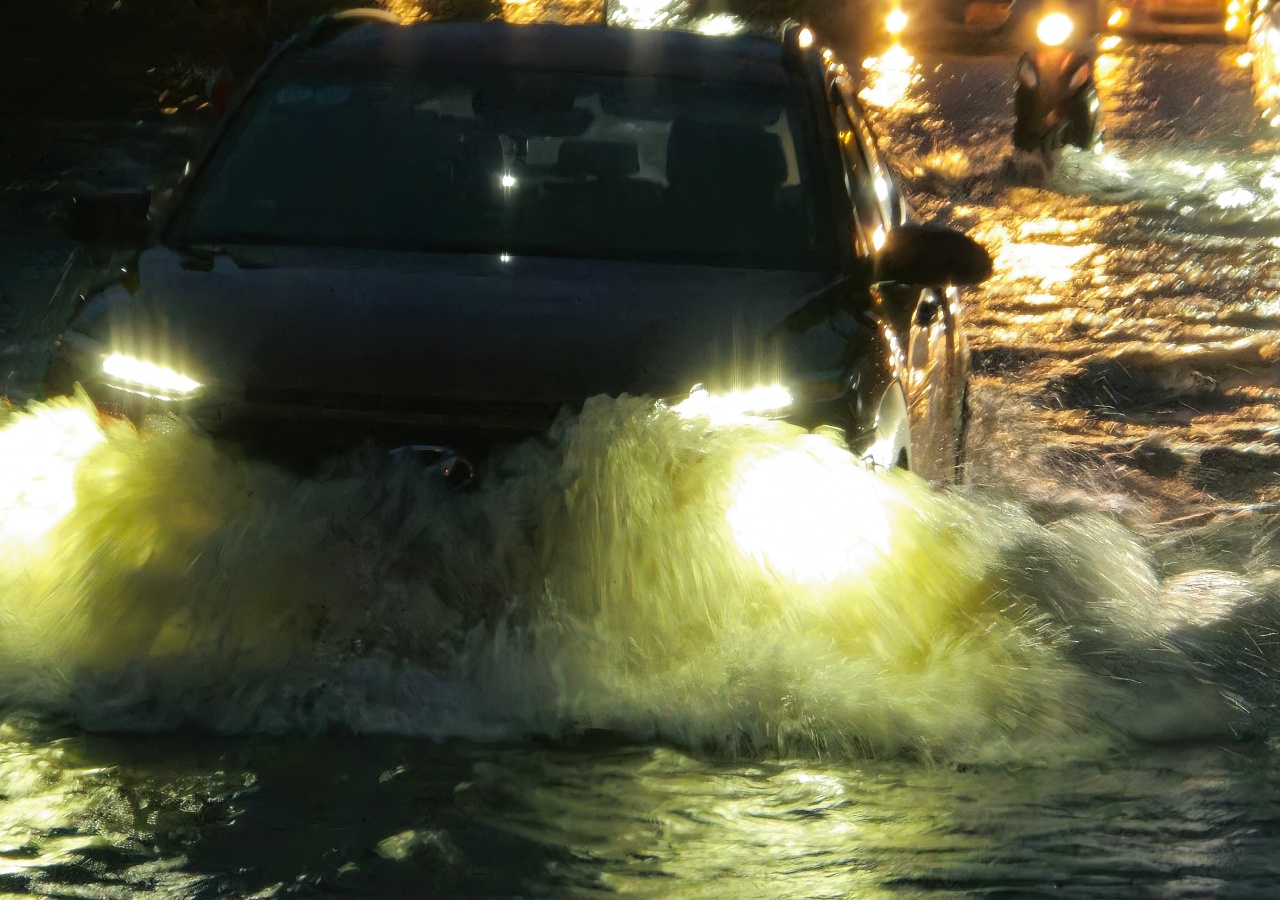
<point x="521" y="163"/>
<point x="872" y="225"/>
<point x="860" y="144"/>
<point x="886" y="190"/>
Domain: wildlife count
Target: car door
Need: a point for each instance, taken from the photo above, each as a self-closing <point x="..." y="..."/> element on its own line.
<point x="926" y="318"/>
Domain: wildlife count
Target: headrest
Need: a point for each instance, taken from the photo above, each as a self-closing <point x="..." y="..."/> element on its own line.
<point x="602" y="159"/>
<point x="746" y="156"/>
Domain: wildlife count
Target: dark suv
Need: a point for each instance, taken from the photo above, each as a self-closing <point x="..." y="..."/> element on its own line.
<point x="446" y="233"/>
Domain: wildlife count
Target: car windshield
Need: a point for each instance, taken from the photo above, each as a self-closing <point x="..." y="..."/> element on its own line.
<point x="521" y="163"/>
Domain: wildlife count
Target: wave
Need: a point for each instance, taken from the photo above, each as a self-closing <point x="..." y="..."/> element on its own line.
<point x="748" y="589"/>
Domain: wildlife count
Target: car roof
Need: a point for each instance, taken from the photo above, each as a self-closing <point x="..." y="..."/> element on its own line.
<point x="589" y="49"/>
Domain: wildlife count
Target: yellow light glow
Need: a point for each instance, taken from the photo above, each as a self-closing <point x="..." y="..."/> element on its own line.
<point x="1118" y="17"/>
<point x="805" y="38"/>
<point x="735" y="406"/>
<point x="878" y="239"/>
<point x="809" y="512"/>
<point x="1232" y="23"/>
<point x="720" y="24"/>
<point x="1244" y="60"/>
<point x="39" y="454"/>
<point x="1110" y="42"/>
<point x="149" y="377"/>
<point x="895" y="22"/>
<point x="1054" y="29"/>
<point x="1043" y="263"/>
<point x="890" y="77"/>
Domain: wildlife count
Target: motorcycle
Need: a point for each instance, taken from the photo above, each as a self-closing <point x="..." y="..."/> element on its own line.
<point x="1056" y="99"/>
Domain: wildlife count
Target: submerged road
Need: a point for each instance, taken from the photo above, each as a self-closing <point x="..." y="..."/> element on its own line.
<point x="1128" y="346"/>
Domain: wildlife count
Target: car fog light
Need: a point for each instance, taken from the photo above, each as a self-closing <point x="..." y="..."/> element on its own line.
<point x="148" y="378"/>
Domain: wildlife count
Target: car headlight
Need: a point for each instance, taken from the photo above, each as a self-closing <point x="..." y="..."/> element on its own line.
<point x="736" y="406"/>
<point x="147" y="378"/>
<point x="810" y="511"/>
<point x="1054" y="29"/>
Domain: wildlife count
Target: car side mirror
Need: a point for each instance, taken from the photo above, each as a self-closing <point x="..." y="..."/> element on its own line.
<point x="115" y="220"/>
<point x="930" y="254"/>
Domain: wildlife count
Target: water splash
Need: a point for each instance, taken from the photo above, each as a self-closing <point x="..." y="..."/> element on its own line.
<point x="601" y="578"/>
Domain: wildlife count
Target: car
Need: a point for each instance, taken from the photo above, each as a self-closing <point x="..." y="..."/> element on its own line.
<point x="972" y="26"/>
<point x="1264" y="52"/>
<point x="441" y="235"/>
<point x="1195" y="19"/>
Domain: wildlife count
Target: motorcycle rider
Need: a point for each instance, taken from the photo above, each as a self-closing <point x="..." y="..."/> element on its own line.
<point x="1056" y="99"/>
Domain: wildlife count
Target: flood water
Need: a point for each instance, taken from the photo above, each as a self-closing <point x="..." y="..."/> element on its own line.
<point x="617" y="667"/>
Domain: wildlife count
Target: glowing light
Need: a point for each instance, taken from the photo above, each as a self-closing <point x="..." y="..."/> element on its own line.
<point x="1236" y="199"/>
<point x="508" y="180"/>
<point x="408" y="11"/>
<point x="39" y="454"/>
<point x="1232" y="23"/>
<point x="150" y="377"/>
<point x="805" y="38"/>
<point x="1110" y="42"/>
<point x="504" y="257"/>
<point x="878" y="239"/>
<point x="1117" y="17"/>
<point x="809" y="512"/>
<point x="895" y="22"/>
<point x="1054" y="29"/>
<point x="882" y="188"/>
<point x="1244" y="60"/>
<point x="735" y="406"/>
<point x="719" y="24"/>
<point x="890" y="77"/>
<point x="1113" y="164"/>
<point x="1047" y="264"/>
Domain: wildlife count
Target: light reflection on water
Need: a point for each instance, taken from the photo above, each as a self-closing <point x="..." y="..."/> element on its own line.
<point x="181" y="816"/>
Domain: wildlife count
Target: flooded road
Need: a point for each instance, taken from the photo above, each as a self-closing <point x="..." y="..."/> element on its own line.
<point x="607" y="671"/>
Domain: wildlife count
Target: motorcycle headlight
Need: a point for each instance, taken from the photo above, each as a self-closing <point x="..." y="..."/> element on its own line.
<point x="1054" y="29"/>
<point x="150" y="379"/>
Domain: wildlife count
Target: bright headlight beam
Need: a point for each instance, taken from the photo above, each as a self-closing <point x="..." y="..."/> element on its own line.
<point x="735" y="406"/>
<point x="149" y="377"/>
<point x="895" y="21"/>
<point x="1054" y="29"/>
<point x="810" y="512"/>
<point x="39" y="455"/>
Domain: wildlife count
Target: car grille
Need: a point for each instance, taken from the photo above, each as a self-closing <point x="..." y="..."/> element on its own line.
<point x="311" y="405"/>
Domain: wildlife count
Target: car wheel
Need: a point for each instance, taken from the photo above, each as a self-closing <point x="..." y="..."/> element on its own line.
<point x="891" y="447"/>
<point x="962" y="433"/>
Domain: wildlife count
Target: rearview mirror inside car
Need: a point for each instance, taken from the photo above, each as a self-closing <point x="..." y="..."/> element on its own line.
<point x="930" y="254"/>
<point x="109" y="219"/>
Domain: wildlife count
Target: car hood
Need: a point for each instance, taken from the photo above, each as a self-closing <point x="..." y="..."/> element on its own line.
<point x="324" y="325"/>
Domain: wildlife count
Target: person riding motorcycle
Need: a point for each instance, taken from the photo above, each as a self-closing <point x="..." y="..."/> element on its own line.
<point x="1056" y="99"/>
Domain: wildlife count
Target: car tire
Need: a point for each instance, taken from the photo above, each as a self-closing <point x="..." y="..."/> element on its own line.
<point x="891" y="446"/>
